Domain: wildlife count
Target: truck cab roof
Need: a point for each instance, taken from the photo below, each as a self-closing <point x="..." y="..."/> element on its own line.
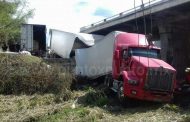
<point x="124" y="39"/>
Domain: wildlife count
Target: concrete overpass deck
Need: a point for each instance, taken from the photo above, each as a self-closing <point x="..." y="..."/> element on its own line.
<point x="158" y="9"/>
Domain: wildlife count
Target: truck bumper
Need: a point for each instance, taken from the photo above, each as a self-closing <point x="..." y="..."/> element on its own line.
<point x="142" y="94"/>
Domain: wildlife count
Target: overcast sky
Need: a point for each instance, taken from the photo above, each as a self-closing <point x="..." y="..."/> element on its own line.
<point x="70" y="15"/>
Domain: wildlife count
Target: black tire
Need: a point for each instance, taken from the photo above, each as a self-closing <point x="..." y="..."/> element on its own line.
<point x="120" y="93"/>
<point x="123" y="100"/>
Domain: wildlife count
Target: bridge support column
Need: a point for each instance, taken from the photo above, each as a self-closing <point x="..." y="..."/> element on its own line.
<point x="164" y="38"/>
<point x="181" y="54"/>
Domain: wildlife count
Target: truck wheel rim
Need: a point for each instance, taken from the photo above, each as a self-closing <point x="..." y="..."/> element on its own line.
<point x="121" y="94"/>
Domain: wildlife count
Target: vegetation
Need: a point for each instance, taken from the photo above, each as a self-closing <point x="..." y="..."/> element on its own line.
<point x="45" y="108"/>
<point x="96" y="98"/>
<point x="145" y="111"/>
<point x="28" y="74"/>
<point x="12" y="14"/>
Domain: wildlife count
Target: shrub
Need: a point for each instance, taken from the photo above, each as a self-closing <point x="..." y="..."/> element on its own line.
<point x="29" y="74"/>
<point x="97" y="98"/>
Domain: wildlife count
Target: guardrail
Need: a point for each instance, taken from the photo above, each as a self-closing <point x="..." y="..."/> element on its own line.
<point x="125" y="13"/>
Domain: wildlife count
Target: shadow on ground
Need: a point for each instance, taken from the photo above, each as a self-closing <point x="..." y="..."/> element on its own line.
<point x="98" y="96"/>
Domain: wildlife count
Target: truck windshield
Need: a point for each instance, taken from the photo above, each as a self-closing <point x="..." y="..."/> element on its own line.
<point x="151" y="53"/>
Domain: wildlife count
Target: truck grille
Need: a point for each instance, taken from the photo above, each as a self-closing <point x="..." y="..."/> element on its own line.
<point x="159" y="80"/>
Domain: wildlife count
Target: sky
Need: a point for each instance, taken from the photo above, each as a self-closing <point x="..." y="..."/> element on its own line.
<point x="71" y="15"/>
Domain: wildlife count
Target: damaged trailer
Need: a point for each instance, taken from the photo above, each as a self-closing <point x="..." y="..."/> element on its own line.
<point x="64" y="43"/>
<point x="96" y="61"/>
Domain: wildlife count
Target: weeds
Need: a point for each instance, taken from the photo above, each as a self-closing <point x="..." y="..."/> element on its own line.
<point x="21" y="108"/>
<point x="67" y="114"/>
<point x="186" y="119"/>
<point x="171" y="107"/>
<point x="96" y="98"/>
<point x="45" y="108"/>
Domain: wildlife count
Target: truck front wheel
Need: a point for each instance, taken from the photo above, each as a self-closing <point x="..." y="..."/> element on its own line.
<point x="120" y="93"/>
<point x="124" y="100"/>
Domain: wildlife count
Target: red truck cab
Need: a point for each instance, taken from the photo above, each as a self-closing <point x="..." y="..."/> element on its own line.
<point x="138" y="72"/>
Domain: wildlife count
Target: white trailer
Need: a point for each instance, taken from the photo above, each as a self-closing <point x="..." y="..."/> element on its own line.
<point x="27" y="37"/>
<point x="33" y="37"/>
<point x="93" y="53"/>
<point x="97" y="60"/>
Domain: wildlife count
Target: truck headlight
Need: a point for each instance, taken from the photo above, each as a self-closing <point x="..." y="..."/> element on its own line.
<point x="133" y="82"/>
<point x="187" y="70"/>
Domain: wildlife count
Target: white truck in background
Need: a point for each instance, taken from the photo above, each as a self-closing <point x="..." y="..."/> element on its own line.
<point x="33" y="39"/>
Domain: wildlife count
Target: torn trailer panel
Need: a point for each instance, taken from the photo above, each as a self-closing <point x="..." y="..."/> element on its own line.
<point x="63" y="43"/>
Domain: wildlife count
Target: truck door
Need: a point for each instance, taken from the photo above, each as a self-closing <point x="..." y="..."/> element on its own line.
<point x="125" y="61"/>
<point x="27" y="37"/>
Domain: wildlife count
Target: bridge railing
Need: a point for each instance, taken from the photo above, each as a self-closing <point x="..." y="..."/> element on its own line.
<point x="125" y="13"/>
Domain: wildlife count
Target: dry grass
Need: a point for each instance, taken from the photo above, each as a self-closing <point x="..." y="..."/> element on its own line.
<point x="112" y="112"/>
<point x="46" y="108"/>
<point x="27" y="108"/>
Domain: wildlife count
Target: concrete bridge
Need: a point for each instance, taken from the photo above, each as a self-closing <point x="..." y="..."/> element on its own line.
<point x="159" y="10"/>
<point x="167" y="20"/>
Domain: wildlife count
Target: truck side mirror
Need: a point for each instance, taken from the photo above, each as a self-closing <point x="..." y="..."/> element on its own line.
<point x="116" y="54"/>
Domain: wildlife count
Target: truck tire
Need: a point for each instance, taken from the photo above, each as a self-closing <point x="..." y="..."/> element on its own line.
<point x="120" y="93"/>
<point x="123" y="100"/>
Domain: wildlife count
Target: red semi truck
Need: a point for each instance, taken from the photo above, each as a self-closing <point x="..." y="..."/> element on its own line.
<point x="132" y="67"/>
<point x="138" y="71"/>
